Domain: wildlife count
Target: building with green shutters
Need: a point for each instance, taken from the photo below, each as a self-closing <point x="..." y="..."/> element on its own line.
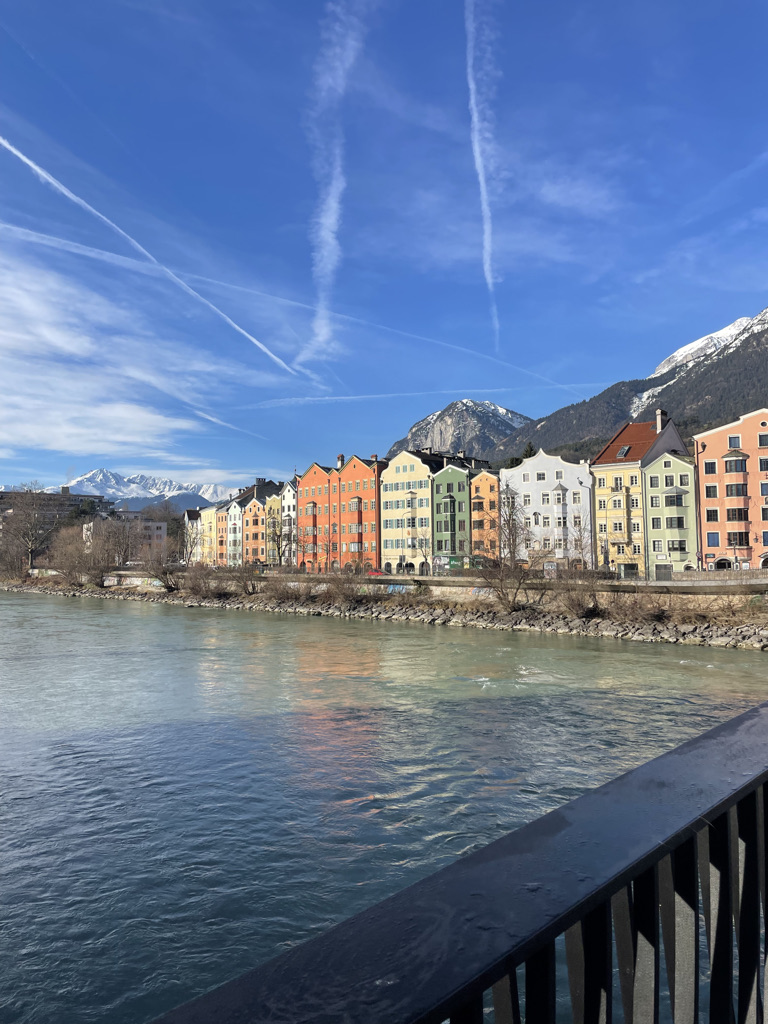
<point x="669" y="504"/>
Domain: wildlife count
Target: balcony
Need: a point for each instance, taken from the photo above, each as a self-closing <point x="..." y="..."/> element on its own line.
<point x="621" y="876"/>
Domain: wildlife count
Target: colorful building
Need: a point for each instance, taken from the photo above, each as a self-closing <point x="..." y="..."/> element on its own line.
<point x="669" y="500"/>
<point x="451" y="520"/>
<point x="288" y="516"/>
<point x="355" y="513"/>
<point x="406" y="512"/>
<point x="274" y="529"/>
<point x="553" y="499"/>
<point x="732" y="484"/>
<point x="485" y="511"/>
<point x="619" y="514"/>
<point x="313" y="523"/>
<point x="208" y="534"/>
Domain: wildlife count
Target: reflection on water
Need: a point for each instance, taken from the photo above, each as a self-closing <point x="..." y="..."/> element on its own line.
<point x="186" y="793"/>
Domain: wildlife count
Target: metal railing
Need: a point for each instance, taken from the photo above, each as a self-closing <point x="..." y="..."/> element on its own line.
<point x="623" y="872"/>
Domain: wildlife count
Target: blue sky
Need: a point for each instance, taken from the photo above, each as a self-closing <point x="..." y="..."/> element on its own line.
<point x="239" y="236"/>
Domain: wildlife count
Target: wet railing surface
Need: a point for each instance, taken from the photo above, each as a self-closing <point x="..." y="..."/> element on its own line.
<point x="634" y="875"/>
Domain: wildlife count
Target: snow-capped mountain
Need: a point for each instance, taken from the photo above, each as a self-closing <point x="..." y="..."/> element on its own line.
<point x="466" y="425"/>
<point x="144" y="490"/>
<point x="705" y="346"/>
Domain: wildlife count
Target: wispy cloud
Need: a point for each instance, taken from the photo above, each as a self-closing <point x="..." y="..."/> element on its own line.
<point x="481" y="80"/>
<point x="342" y="32"/>
<point x="55" y="184"/>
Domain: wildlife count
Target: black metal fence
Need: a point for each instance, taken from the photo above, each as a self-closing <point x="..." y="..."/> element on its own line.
<point x="623" y="873"/>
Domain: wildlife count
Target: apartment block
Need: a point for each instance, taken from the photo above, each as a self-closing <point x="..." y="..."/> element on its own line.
<point x="485" y="510"/>
<point x="732" y="484"/>
<point x="669" y="500"/>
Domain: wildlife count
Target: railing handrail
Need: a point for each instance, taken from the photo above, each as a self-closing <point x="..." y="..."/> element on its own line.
<point x="418" y="956"/>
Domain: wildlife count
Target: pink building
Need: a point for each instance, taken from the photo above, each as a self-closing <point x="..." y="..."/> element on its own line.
<point x="732" y="482"/>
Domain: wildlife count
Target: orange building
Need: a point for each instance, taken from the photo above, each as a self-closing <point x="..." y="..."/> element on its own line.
<point x="732" y="482"/>
<point x="355" y="513"/>
<point x="313" y="523"/>
<point x="338" y="515"/>
<point x="484" y="513"/>
<point x="222" y="520"/>
<point x="254" y="530"/>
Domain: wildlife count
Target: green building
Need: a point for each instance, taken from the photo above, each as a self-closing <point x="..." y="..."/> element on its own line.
<point x="669" y="503"/>
<point x="451" y="514"/>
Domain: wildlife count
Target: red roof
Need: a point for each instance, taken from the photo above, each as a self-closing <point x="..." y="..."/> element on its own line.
<point x="640" y="437"/>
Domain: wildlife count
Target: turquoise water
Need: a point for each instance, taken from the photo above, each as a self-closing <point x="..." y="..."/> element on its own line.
<point x="185" y="793"/>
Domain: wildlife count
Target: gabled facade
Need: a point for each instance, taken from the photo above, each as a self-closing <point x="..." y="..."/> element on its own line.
<point x="451" y="521"/>
<point x="355" y="516"/>
<point x="554" y="502"/>
<point x="485" y="511"/>
<point x="669" y="498"/>
<point x="619" y="512"/>
<point x="406" y="512"/>
<point x="313" y="524"/>
<point x="274" y="523"/>
<point x="732" y="484"/>
<point x="288" y="515"/>
<point x="208" y="535"/>
<point x="255" y="530"/>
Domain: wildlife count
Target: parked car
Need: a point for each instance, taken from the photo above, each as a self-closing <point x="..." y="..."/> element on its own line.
<point x="376" y="572"/>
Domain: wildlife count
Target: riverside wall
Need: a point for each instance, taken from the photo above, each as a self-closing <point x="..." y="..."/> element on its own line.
<point x="471" y="607"/>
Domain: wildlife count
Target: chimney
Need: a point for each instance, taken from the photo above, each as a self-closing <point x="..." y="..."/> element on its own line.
<point x="462" y="453"/>
<point x="65" y="490"/>
<point x="428" y="450"/>
<point x="339" y="461"/>
<point x="661" y="420"/>
<point x="374" y="458"/>
<point x="260" y="480"/>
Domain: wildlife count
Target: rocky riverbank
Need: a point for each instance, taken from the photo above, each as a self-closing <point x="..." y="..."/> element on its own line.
<point x="396" y="608"/>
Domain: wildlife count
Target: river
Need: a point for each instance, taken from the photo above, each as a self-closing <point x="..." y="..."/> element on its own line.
<point x="185" y="793"/>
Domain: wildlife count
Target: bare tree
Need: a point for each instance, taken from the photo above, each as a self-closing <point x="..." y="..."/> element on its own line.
<point x="276" y="539"/>
<point x="507" y="575"/>
<point x="82" y="556"/>
<point x="161" y="563"/>
<point x="245" y="577"/>
<point x="28" y="522"/>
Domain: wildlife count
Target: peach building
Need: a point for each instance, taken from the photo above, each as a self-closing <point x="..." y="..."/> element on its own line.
<point x="732" y="481"/>
<point x="355" y="513"/>
<point x="484" y="516"/>
<point x="313" y="522"/>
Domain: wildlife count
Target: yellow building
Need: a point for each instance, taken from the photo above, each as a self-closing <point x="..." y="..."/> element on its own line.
<point x="274" y="529"/>
<point x="619" y="515"/>
<point x="208" y="535"/>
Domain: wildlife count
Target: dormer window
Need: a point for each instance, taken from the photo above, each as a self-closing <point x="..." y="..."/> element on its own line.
<point x="623" y="452"/>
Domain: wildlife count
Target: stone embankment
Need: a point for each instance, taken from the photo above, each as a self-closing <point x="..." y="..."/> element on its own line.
<point x="749" y="635"/>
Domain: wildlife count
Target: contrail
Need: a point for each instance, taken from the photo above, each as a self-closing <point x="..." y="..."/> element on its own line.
<point x="55" y="184"/>
<point x="481" y="75"/>
<point x="343" y="32"/>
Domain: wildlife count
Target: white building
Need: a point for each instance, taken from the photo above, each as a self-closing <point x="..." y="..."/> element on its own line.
<point x="554" y="498"/>
<point x="288" y="513"/>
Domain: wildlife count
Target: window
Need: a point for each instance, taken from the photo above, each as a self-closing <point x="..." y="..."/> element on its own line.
<point x="558" y="474"/>
<point x="710" y="468"/>
<point x="634" y="503"/>
<point x="463" y="506"/>
<point x="602" y="504"/>
<point x="685" y="480"/>
<point x="618" y="527"/>
<point x="713" y="540"/>
<point x="616" y="503"/>
<point x="462" y="526"/>
<point x="764" y="490"/>
<point x="620" y="549"/>
<point x="526" y="478"/>
<point x="618" y="483"/>
<point x="713" y="515"/>
<point x="636" y="549"/>
<point x="438" y="488"/>
<point x="762" y="440"/>
<point x="734" y="440"/>
<point x="636" y="527"/>
<point x="673" y="499"/>
<point x="764" y="465"/>
<point x="736" y="490"/>
<point x="491" y="505"/>
<point x="667" y="464"/>
<point x="546" y="544"/>
<point x="541" y="476"/>
<point x="462" y="487"/>
<point x="738" y="540"/>
<point x="675" y="522"/>
<point x="527" y="522"/>
<point x="657" y="545"/>
<point x="734" y="515"/>
<point x="653" y="481"/>
<point x="633" y="481"/>
<point x="669" y="481"/>
<point x="477" y="506"/>
<point x="601" y="528"/>
<point x="576" y="497"/>
<point x="656" y="523"/>
<point x="544" y="497"/>
<point x="449" y="488"/>
<point x="546" y="521"/>
<point x="735" y="465"/>
<point x="676" y="545"/>
<point x="764" y="511"/>
<point x="622" y="452"/>
<point x="477" y="524"/>
<point x="601" y="481"/>
<point x="526" y="499"/>
<point x="710" y="491"/>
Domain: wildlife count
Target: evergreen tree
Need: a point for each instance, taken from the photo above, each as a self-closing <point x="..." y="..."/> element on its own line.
<point x="529" y="452"/>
